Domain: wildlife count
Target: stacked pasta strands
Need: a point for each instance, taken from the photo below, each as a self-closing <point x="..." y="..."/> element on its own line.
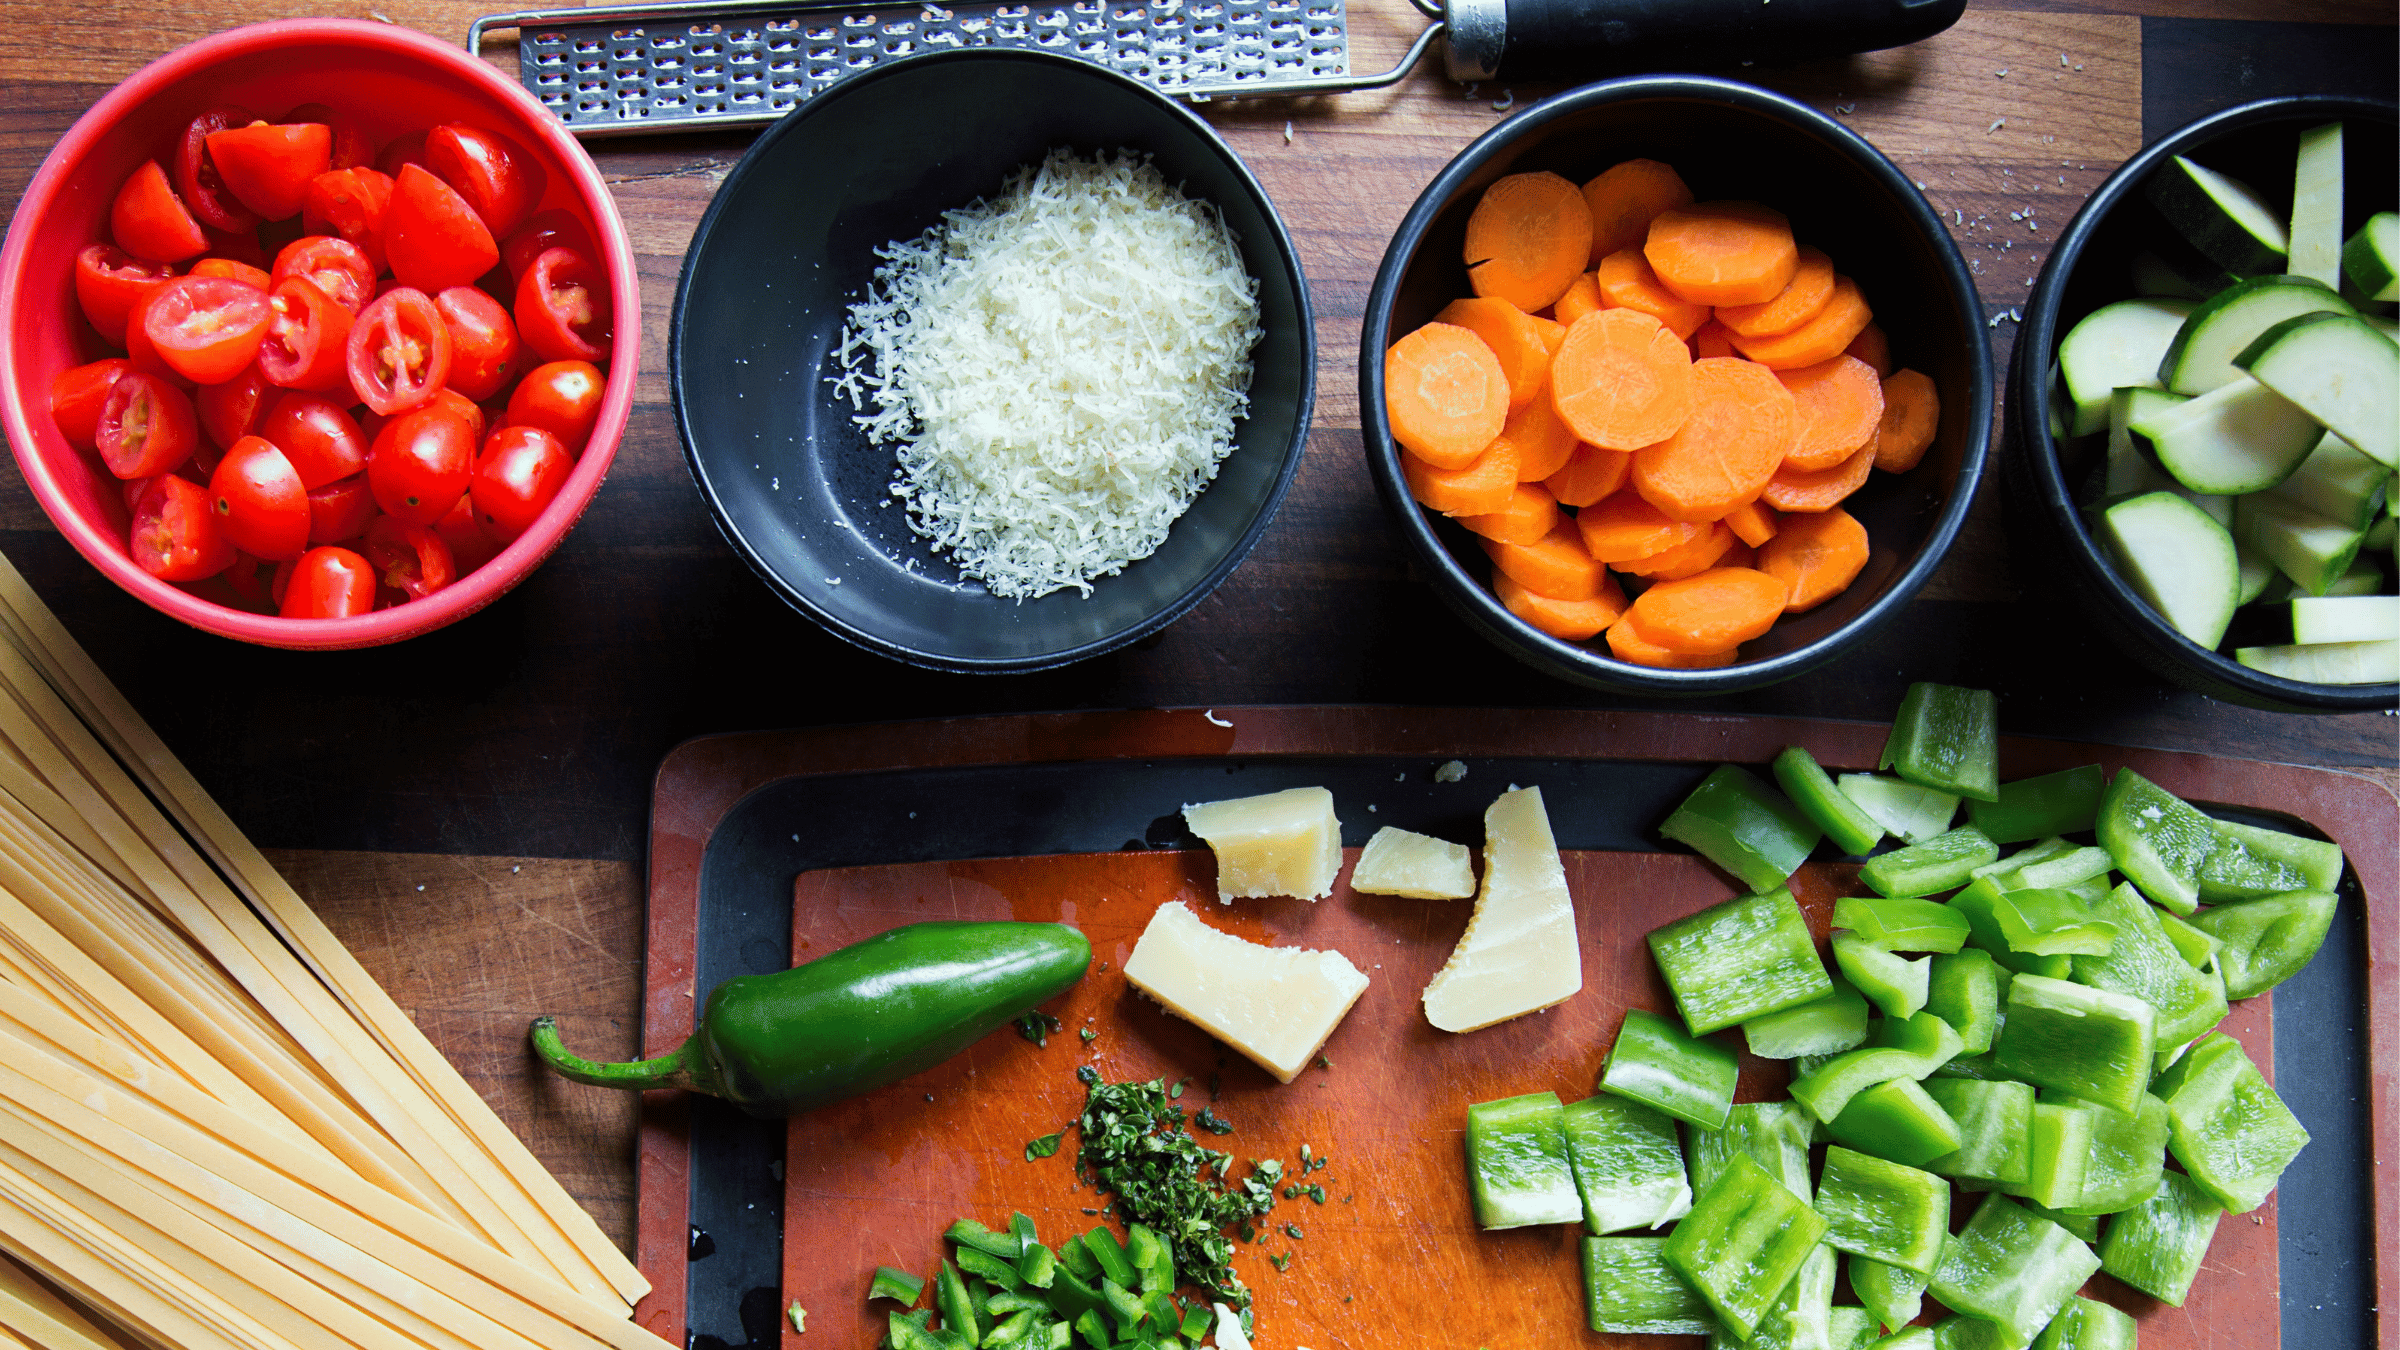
<point x="216" y="1129"/>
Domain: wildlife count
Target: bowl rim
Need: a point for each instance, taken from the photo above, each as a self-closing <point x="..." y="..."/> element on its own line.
<point x="798" y="596"/>
<point x="513" y="563"/>
<point x="1474" y="601"/>
<point x="2029" y="399"/>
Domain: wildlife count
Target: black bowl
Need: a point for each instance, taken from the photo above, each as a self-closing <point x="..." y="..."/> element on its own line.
<point x="2088" y="268"/>
<point x="1726" y="139"/>
<point x="789" y="243"/>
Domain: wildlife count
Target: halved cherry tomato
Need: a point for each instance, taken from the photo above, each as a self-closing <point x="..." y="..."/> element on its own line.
<point x="307" y="345"/>
<point x="259" y="500"/>
<point x="351" y="144"/>
<point x="149" y="221"/>
<point x="409" y="149"/>
<point x="267" y="167"/>
<point x="231" y="270"/>
<point x="196" y="175"/>
<point x="554" y="228"/>
<point x="409" y="557"/>
<point x="339" y="268"/>
<point x="233" y="408"/>
<point x="421" y="463"/>
<point x="432" y="236"/>
<point x="563" y="310"/>
<point x="349" y="203"/>
<point x="399" y="351"/>
<point x="207" y="328"/>
<point x="146" y="427"/>
<point x="109" y="282"/>
<point x="483" y="341"/>
<point x="340" y="510"/>
<point x="496" y="175"/>
<point x="140" y="350"/>
<point x="470" y="547"/>
<point x="175" y="536"/>
<point x="134" y="489"/>
<point x="78" y="394"/>
<point x="328" y="583"/>
<point x="318" y="437"/>
<point x="516" y="478"/>
<point x="562" y="398"/>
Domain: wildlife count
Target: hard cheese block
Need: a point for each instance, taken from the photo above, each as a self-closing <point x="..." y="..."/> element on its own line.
<point x="1519" y="954"/>
<point x="1278" y="843"/>
<point x="1419" y="866"/>
<point x="1275" y="1004"/>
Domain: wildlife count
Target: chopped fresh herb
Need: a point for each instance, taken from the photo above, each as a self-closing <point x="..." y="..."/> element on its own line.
<point x="1209" y="1120"/>
<point x="1249" y="1232"/>
<point x="1348" y="1198"/>
<point x="1291" y="1192"/>
<point x="1324" y="1063"/>
<point x="1135" y="1146"/>
<point x="1042" y="1147"/>
<point x="1088" y="1035"/>
<point x="1037" y="1026"/>
<point x="1089" y="1210"/>
<point x="1292" y="1231"/>
<point x="1087" y="1075"/>
<point x="1175" y="1093"/>
<point x="1280" y="1260"/>
<point x="1304" y="1155"/>
<point x="1317" y="1193"/>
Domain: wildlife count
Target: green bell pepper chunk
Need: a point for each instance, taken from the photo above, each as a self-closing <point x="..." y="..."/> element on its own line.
<point x="1894" y="984"/>
<point x="1038" y="1266"/>
<point x="1110" y="1254"/>
<point x="1802" y="1319"/>
<point x="2068" y="870"/>
<point x="1944" y="862"/>
<point x="1745" y="1239"/>
<point x="1964" y="989"/>
<point x="1980" y="1068"/>
<point x="1849" y="1328"/>
<point x="908" y="1332"/>
<point x="2317" y="861"/>
<point x="1894" y="1294"/>
<point x="958" y="1312"/>
<point x="1093" y="1328"/>
<point x="1902" y="924"/>
<point x="1914" y="813"/>
<point x="2233" y="870"/>
<point x="1196" y="1321"/>
<point x="1913" y="1338"/>
<point x="2144" y="963"/>
<point x="1734" y="961"/>
<point x="1979" y="903"/>
<point x="2086" y="1324"/>
<point x="2062" y="1147"/>
<point x="1896" y="1121"/>
<point x="2029" y="808"/>
<point x="2085" y="1227"/>
<point x="897" y="1285"/>
<point x="1968" y="1333"/>
<point x="1775" y="1135"/>
<point x="1848" y="825"/>
<point x="984" y="1265"/>
<point x="1517" y="1162"/>
<point x="1742" y="825"/>
<point x="2227" y="1127"/>
<point x="2128" y="1154"/>
<point x="2198" y="949"/>
<point x="2092" y="1043"/>
<point x="1011" y="1332"/>
<point x="1628" y="1167"/>
<point x="1995" y="1130"/>
<point x="2051" y="847"/>
<point x="1146" y="1254"/>
<point x="1883" y="1211"/>
<point x="1828" y="1088"/>
<point x="2049" y="922"/>
<point x="1654" y="1063"/>
<point x="1948" y="738"/>
<point x="2157" y="1246"/>
<point x="2157" y="839"/>
<point x="1630" y="1290"/>
<point x="2262" y="943"/>
<point x="2012" y="1268"/>
<point x="1828" y="1026"/>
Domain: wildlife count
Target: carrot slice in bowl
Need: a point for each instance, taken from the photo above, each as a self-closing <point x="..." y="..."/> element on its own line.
<point x="1626" y="282"/>
<point x="1514" y="336"/>
<point x="1723" y="253"/>
<point x="1544" y="444"/>
<point x="1815" y="557"/>
<point x="1622" y="380"/>
<point x="1625" y="528"/>
<point x="1742" y="425"/>
<point x="1445" y="393"/>
<point x="1567" y="620"/>
<point x="1625" y="198"/>
<point x="1798" y="302"/>
<point x="1820" y="339"/>
<point x="1840" y="403"/>
<point x="1556" y="565"/>
<point x="1716" y="611"/>
<point x="1528" y="515"/>
<point x="1713" y="339"/>
<point x="1686" y="559"/>
<point x="1484" y="485"/>
<point x="1872" y="347"/>
<point x="1528" y="238"/>
<point x="1628" y="643"/>
<point x="1912" y="411"/>
<point x="1811" y="490"/>
<point x="1582" y="297"/>
<point x="1589" y="474"/>
<point x="1752" y="523"/>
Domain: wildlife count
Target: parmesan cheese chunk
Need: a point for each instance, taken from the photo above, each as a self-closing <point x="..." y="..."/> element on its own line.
<point x="1278" y="843"/>
<point x="1419" y="866"/>
<point x="1276" y="1005"/>
<point x="1519" y="954"/>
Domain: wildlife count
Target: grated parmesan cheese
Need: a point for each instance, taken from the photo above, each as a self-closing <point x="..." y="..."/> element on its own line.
<point x="1060" y="369"/>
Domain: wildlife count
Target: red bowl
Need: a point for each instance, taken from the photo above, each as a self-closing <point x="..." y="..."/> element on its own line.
<point x="395" y="81"/>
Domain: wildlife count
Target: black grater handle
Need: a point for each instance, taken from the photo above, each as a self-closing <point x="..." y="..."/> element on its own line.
<point x="1589" y="39"/>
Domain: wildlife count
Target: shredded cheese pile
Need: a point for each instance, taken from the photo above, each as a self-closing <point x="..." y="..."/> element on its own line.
<point x="1060" y="368"/>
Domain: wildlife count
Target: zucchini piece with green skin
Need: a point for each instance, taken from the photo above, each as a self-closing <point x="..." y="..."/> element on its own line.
<point x="2340" y="371"/>
<point x="2347" y="618"/>
<point x="2328" y="663"/>
<point x="2157" y="1246"/>
<point x="1517" y="1162"/>
<point x="1735" y="960"/>
<point x="2340" y="482"/>
<point x="2092" y="1043"/>
<point x="1630" y="1290"/>
<point x="2087" y="1324"/>
<point x="2371" y="257"/>
<point x="1913" y="813"/>
<point x="1946" y="737"/>
<point x="2179" y="560"/>
<point x="1883" y="1211"/>
<point x="2150" y="274"/>
<point x="2126" y="467"/>
<point x="2222" y="216"/>
<point x="1746" y="1238"/>
<point x="2201" y="356"/>
<point x="2238" y="437"/>
<point x="2229" y="1129"/>
<point x="2117" y="346"/>
<point x="2313" y="551"/>
<point x="1893" y="1294"/>
<point x="1849" y="826"/>
<point x="2316" y="229"/>
<point x="1628" y="1166"/>
<point x="2049" y="804"/>
<point x="2011" y="1267"/>
<point x="1828" y="1026"/>
<point x="2264" y="942"/>
<point x="1654" y="1063"/>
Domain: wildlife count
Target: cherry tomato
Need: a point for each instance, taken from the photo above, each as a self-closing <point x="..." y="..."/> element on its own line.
<point x="351" y="144"/>
<point x="78" y="394"/>
<point x="349" y="203"/>
<point x="496" y="176"/>
<point x="409" y="149"/>
<point x="259" y="500"/>
<point x="554" y="228"/>
<point x="318" y="437"/>
<point x="207" y="328"/>
<point x="307" y="345"/>
<point x="339" y="268"/>
<point x="470" y="547"/>
<point x="483" y="341"/>
<point x="229" y="269"/>
<point x="409" y="557"/>
<point x="399" y="351"/>
<point x="465" y="409"/>
<point x="146" y="427"/>
<point x="340" y="510"/>
<point x="519" y="473"/>
<point x="267" y="167"/>
<point x="421" y="463"/>
<point x="148" y="221"/>
<point x="563" y="310"/>
<point x="432" y="237"/>
<point x="196" y="174"/>
<point x="562" y="398"/>
<point x="144" y="353"/>
<point x="109" y="282"/>
<point x="233" y="409"/>
<point x="328" y="583"/>
<point x="175" y="536"/>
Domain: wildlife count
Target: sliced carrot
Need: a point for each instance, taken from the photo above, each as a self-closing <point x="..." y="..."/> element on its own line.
<point x="1741" y="427"/>
<point x="1810" y="490"/>
<point x="1798" y="302"/>
<point x="1686" y="559"/>
<point x="1483" y="486"/>
<point x="1626" y="282"/>
<point x="1582" y="297"/>
<point x="1514" y="336"/>
<point x="1912" y="410"/>
<point x="1589" y="474"/>
<point x="1715" y="611"/>
<point x="1872" y="347"/>
<point x="1627" y="643"/>
<point x="1568" y="620"/>
<point x="1815" y="557"/>
<point x="1820" y="339"/>
<point x="1840" y="403"/>
<point x="1624" y="528"/>
<point x="1445" y="393"/>
<point x="1713" y="339"/>
<point x="1622" y="380"/>
<point x="1529" y="514"/>
<point x="1543" y="443"/>
<point x="1527" y="239"/>
<point x="1555" y="565"/>
<point x="1751" y="523"/>
<point x="1723" y="253"/>
<point x="1625" y="199"/>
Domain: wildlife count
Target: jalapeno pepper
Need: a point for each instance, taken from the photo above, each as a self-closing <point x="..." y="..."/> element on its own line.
<point x="851" y="1020"/>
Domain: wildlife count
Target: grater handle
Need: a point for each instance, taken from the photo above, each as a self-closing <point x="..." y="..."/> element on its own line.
<point x="1587" y="39"/>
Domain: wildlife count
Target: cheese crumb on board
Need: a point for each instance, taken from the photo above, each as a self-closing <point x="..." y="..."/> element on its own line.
<point x="1277" y="843"/>
<point x="1277" y="1005"/>
<point x="1520" y="953"/>
<point x="1419" y="866"/>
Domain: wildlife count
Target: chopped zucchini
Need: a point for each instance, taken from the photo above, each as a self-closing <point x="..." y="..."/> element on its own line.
<point x="2201" y="356"/>
<point x="2180" y="560"/>
<point x="2340" y="371"/>
<point x="2222" y="216"/>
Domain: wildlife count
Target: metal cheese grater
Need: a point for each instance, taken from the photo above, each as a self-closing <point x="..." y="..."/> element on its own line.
<point x="625" y="69"/>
